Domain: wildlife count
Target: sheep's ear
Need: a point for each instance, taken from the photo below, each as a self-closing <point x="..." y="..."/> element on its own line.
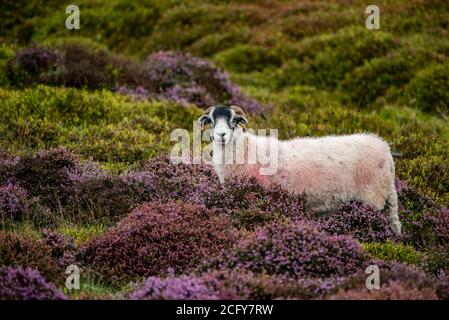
<point x="204" y="119"/>
<point x="240" y="120"/>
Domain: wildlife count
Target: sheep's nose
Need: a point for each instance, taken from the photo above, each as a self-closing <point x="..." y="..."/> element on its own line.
<point x="222" y="134"/>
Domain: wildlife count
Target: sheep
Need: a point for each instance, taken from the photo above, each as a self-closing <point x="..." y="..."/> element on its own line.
<point x="328" y="170"/>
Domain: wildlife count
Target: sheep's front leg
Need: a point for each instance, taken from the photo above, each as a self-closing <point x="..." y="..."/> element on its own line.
<point x="220" y="173"/>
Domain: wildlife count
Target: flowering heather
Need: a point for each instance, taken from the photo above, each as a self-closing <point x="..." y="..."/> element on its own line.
<point x="168" y="75"/>
<point x="7" y="161"/>
<point x="45" y="174"/>
<point x="425" y="223"/>
<point x="13" y="202"/>
<point x="62" y="248"/>
<point x="410" y="199"/>
<point x="360" y="221"/>
<point x="187" y="79"/>
<point x="86" y="67"/>
<point x="437" y="259"/>
<point x="34" y="59"/>
<point x="439" y="222"/>
<point x="247" y="201"/>
<point x="18" y="283"/>
<point x="103" y="197"/>
<point x="56" y="178"/>
<point x="156" y="237"/>
<point x="33" y="64"/>
<point x="443" y="288"/>
<point x="233" y="284"/>
<point x="242" y="284"/>
<point x="174" y="288"/>
<point x="18" y="250"/>
<point x="73" y="65"/>
<point x="296" y="250"/>
<point x="393" y="290"/>
<point x="138" y="93"/>
<point x="395" y="280"/>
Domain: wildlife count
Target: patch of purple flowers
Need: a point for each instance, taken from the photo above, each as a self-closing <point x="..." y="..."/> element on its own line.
<point x="398" y="281"/>
<point x="175" y="288"/>
<point x="18" y="283"/>
<point x="33" y="64"/>
<point x="63" y="249"/>
<point x="13" y="202"/>
<point x="156" y="237"/>
<point x="294" y="249"/>
<point x="188" y="79"/>
<point x="164" y="75"/>
<point x="360" y="221"/>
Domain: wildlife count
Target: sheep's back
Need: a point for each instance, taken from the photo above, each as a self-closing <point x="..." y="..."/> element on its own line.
<point x="333" y="164"/>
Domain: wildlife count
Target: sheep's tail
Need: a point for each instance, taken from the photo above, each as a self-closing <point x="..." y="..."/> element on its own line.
<point x="392" y="202"/>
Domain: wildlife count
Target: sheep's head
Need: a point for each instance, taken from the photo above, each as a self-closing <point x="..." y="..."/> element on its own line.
<point x="224" y="121"/>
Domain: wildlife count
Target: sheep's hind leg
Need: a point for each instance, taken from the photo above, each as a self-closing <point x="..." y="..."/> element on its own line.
<point x="392" y="209"/>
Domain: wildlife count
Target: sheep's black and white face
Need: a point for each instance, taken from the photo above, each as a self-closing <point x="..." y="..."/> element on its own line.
<point x="224" y="122"/>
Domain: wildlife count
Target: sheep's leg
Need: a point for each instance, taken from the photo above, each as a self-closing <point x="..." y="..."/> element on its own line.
<point x="392" y="206"/>
<point x="219" y="172"/>
<point x="323" y="208"/>
<point x="392" y="201"/>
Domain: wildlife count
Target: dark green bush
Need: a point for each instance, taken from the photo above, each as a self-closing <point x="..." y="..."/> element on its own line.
<point x="365" y="84"/>
<point x="429" y="89"/>
<point x="247" y="58"/>
<point x="325" y="59"/>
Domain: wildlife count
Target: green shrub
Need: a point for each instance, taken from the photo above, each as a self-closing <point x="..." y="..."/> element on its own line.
<point x="101" y="125"/>
<point x="215" y="42"/>
<point x="370" y="81"/>
<point x="247" y="58"/>
<point x="180" y="26"/>
<point x="6" y="53"/>
<point x="430" y="174"/>
<point x="437" y="259"/>
<point x="101" y="21"/>
<point x="82" y="234"/>
<point x="314" y="17"/>
<point x="390" y="251"/>
<point x="429" y="89"/>
<point x="325" y="59"/>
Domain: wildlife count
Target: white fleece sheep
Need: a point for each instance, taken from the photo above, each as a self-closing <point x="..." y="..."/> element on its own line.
<point x="328" y="170"/>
